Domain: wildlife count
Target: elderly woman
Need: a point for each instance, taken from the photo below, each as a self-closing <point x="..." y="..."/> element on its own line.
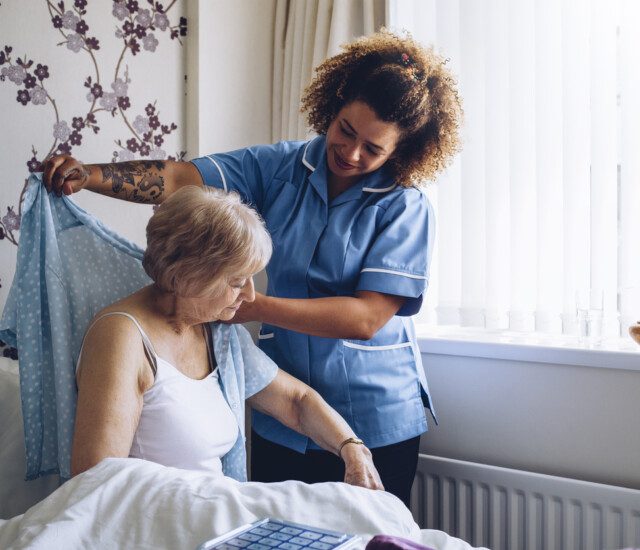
<point x="153" y="377"/>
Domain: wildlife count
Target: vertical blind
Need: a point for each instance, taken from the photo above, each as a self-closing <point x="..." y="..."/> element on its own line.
<point x="543" y="203"/>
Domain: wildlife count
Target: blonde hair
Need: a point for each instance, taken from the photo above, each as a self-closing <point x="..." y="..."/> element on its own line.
<point x="200" y="235"/>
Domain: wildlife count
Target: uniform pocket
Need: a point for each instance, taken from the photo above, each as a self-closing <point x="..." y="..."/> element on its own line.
<point x="383" y="385"/>
<point x="385" y="373"/>
<point x="266" y="332"/>
<point x="267" y="341"/>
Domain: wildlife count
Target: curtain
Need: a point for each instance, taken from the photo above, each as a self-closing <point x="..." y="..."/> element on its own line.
<point x="542" y="206"/>
<point x="306" y="33"/>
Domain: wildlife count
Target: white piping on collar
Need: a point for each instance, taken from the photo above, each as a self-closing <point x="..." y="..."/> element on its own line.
<point x="224" y="181"/>
<point x="364" y="189"/>
<point x="304" y="159"/>
<point x="374" y="190"/>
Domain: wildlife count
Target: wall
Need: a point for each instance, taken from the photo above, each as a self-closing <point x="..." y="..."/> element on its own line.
<point x="211" y="88"/>
<point x="136" y="55"/>
<point x="572" y="421"/>
<point x="231" y="105"/>
<point x="230" y="65"/>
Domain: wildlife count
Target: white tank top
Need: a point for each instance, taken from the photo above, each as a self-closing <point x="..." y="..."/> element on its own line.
<point x="185" y="423"/>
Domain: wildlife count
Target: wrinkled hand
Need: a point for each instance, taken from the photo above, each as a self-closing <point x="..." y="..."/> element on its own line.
<point x="359" y="468"/>
<point x="64" y="174"/>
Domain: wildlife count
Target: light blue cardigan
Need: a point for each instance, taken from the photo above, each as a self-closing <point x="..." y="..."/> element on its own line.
<point x="69" y="267"/>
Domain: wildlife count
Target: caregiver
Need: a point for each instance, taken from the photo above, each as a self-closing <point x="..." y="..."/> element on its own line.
<point x="352" y="235"/>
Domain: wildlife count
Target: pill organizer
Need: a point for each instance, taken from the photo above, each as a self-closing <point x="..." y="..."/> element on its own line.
<point x="275" y="534"/>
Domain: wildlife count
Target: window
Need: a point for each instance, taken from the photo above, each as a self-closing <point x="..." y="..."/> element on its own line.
<point x="542" y="207"/>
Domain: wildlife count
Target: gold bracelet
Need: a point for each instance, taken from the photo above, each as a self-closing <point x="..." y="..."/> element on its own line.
<point x="355" y="440"/>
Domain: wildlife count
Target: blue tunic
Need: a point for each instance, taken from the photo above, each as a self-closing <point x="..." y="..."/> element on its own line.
<point x="375" y="236"/>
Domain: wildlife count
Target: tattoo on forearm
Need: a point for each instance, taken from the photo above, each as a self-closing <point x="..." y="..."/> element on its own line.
<point x="137" y="181"/>
<point x="85" y="174"/>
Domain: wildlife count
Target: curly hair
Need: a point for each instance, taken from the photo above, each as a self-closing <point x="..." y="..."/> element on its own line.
<point x="404" y="83"/>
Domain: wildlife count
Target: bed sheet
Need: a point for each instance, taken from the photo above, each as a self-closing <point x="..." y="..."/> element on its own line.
<point x="16" y="494"/>
<point x="131" y="503"/>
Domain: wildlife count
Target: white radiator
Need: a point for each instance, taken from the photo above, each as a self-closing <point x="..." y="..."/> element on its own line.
<point x="505" y="509"/>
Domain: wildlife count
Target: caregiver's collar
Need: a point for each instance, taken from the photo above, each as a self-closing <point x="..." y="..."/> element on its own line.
<point x="314" y="157"/>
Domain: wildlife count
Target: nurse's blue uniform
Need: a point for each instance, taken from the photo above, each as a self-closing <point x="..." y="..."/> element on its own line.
<point x="375" y="236"/>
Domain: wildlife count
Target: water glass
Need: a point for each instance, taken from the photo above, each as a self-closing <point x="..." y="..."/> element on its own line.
<point x="589" y="313"/>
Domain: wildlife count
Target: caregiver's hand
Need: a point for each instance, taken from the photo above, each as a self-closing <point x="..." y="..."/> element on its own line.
<point x="249" y="311"/>
<point x="359" y="468"/>
<point x="65" y="174"/>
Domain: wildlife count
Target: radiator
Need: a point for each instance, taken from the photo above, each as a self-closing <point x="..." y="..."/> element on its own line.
<point x="506" y="509"/>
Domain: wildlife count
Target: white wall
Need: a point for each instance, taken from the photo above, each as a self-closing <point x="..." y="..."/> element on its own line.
<point x="220" y="100"/>
<point x="156" y="76"/>
<point x="572" y="421"/>
<point x="231" y="68"/>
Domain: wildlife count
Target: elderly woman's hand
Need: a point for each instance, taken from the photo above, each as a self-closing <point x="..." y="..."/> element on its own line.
<point x="359" y="468"/>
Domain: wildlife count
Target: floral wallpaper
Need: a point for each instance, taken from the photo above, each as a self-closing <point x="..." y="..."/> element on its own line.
<point x="112" y="35"/>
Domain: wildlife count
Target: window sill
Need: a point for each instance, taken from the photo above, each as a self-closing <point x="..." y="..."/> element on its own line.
<point x="618" y="353"/>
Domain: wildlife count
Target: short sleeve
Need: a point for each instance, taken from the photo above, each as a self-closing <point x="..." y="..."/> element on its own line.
<point x="247" y="171"/>
<point x="259" y="369"/>
<point x="398" y="261"/>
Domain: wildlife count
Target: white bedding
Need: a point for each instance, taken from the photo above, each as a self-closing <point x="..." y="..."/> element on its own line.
<point x="129" y="503"/>
<point x="16" y="494"/>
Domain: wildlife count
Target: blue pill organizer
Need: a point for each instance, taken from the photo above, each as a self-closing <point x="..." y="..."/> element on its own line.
<point x="276" y="534"/>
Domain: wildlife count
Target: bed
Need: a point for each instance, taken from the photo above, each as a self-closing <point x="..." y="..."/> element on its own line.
<point x="130" y="503"/>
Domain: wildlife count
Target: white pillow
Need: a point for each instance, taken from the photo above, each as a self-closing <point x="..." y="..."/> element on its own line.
<point x="16" y="494"/>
